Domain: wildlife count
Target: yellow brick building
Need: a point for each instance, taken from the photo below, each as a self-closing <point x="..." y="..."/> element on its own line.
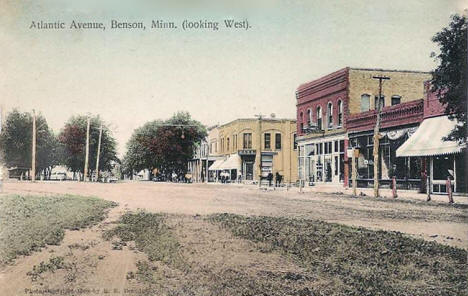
<point x="403" y="85"/>
<point x="250" y="148"/>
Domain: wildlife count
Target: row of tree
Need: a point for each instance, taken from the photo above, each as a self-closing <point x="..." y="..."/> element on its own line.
<point x="163" y="145"/>
<point x="67" y="148"/>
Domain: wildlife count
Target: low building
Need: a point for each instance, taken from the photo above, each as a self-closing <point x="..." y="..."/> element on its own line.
<point x="439" y="158"/>
<point x="250" y="149"/>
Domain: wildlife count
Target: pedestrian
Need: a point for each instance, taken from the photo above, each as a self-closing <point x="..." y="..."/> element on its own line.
<point x="270" y="178"/>
<point x="277" y="179"/>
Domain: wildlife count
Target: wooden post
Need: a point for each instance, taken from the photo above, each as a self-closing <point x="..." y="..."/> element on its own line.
<point x="428" y="178"/>
<point x="85" y="173"/>
<point x="33" y="159"/>
<point x="98" y="153"/>
<point x="448" y="184"/>
<point x="354" y="172"/>
<point x="394" y="189"/>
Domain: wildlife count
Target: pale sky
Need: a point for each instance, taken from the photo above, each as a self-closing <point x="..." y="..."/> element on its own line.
<point x="131" y="77"/>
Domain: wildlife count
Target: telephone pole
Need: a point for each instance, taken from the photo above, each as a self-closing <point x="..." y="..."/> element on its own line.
<point x="98" y="153"/>
<point x="377" y="135"/>
<point x="260" y="117"/>
<point x="33" y="158"/>
<point x="85" y="173"/>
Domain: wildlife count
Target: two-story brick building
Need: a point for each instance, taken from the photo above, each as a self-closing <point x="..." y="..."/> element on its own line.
<point x="338" y="111"/>
<point x="250" y="149"/>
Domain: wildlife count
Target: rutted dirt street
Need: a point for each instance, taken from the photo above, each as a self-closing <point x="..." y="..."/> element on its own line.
<point x="216" y="258"/>
<point x="440" y="222"/>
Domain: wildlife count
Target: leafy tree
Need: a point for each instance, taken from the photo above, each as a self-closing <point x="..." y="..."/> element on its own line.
<point x="165" y="145"/>
<point x="16" y="142"/>
<point x="449" y="78"/>
<point x="73" y="139"/>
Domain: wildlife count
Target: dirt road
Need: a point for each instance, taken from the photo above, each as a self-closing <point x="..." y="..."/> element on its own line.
<point x="431" y="221"/>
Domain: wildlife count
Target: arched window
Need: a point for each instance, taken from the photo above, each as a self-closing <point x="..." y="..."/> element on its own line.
<point x="319" y="117"/>
<point x="301" y="120"/>
<point x="330" y="115"/>
<point x="365" y="102"/>
<point x="340" y="113"/>
<point x="309" y="117"/>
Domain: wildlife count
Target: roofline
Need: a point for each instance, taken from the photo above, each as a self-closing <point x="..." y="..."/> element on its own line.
<point x="256" y="119"/>
<point x="389" y="70"/>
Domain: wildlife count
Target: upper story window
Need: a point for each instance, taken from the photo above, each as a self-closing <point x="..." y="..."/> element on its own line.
<point x="295" y="142"/>
<point x="227" y="144"/>
<point x="277" y="141"/>
<point x="301" y="120"/>
<point x="309" y="117"/>
<point x="396" y="100"/>
<point x="319" y="117"/>
<point x="365" y="102"/>
<point x="340" y="113"/>
<point x="376" y="102"/>
<point x="330" y="115"/>
<point x="267" y="140"/>
<point x="247" y="141"/>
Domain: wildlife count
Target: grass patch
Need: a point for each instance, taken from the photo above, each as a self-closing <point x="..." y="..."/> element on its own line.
<point x="358" y="261"/>
<point x="28" y="223"/>
<point x="151" y="235"/>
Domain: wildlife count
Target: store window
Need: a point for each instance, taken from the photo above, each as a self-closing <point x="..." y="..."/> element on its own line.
<point x="277" y="141"/>
<point x="267" y="140"/>
<point x="247" y="141"/>
<point x="365" y="102"/>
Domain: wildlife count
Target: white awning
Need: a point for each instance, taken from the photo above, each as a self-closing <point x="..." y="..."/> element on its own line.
<point x="428" y="139"/>
<point x="232" y="163"/>
<point x="215" y="166"/>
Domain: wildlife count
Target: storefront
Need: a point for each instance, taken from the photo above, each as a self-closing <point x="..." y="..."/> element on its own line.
<point x="441" y="160"/>
<point x="321" y="160"/>
<point x="406" y="170"/>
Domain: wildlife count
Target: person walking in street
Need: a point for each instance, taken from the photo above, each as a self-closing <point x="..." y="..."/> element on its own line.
<point x="270" y="179"/>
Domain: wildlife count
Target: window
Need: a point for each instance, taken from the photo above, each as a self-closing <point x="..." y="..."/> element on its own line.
<point x="301" y="120"/>
<point x="396" y="100"/>
<point x="227" y="145"/>
<point x="365" y="102"/>
<point x="330" y="115"/>
<point x="319" y="118"/>
<point x="376" y="102"/>
<point x="309" y="117"/>
<point x="295" y="142"/>
<point x="340" y="113"/>
<point x="247" y="141"/>
<point x="277" y="141"/>
<point x="267" y="140"/>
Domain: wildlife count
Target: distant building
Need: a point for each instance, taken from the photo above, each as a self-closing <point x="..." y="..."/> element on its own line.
<point x="338" y="111"/>
<point x="249" y="149"/>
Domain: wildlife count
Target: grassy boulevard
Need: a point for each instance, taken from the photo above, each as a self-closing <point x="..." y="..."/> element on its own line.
<point x="228" y="254"/>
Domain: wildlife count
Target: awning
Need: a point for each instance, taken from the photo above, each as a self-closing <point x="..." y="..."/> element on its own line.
<point x="232" y="163"/>
<point x="428" y="139"/>
<point x="215" y="166"/>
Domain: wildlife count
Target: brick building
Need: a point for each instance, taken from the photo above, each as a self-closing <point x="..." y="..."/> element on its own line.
<point x="250" y="149"/>
<point x="337" y="111"/>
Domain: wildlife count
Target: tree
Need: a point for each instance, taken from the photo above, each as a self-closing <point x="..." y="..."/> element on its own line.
<point x="164" y="145"/>
<point x="73" y="139"/>
<point x="449" y="78"/>
<point x="16" y="142"/>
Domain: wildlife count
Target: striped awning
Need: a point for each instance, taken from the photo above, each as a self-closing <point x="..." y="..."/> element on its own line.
<point x="428" y="140"/>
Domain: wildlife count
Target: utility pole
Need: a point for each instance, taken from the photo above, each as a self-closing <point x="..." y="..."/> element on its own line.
<point x="98" y="154"/>
<point x="354" y="172"/>
<point x="33" y="161"/>
<point x="85" y="173"/>
<point x="377" y="136"/>
<point x="260" y="117"/>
